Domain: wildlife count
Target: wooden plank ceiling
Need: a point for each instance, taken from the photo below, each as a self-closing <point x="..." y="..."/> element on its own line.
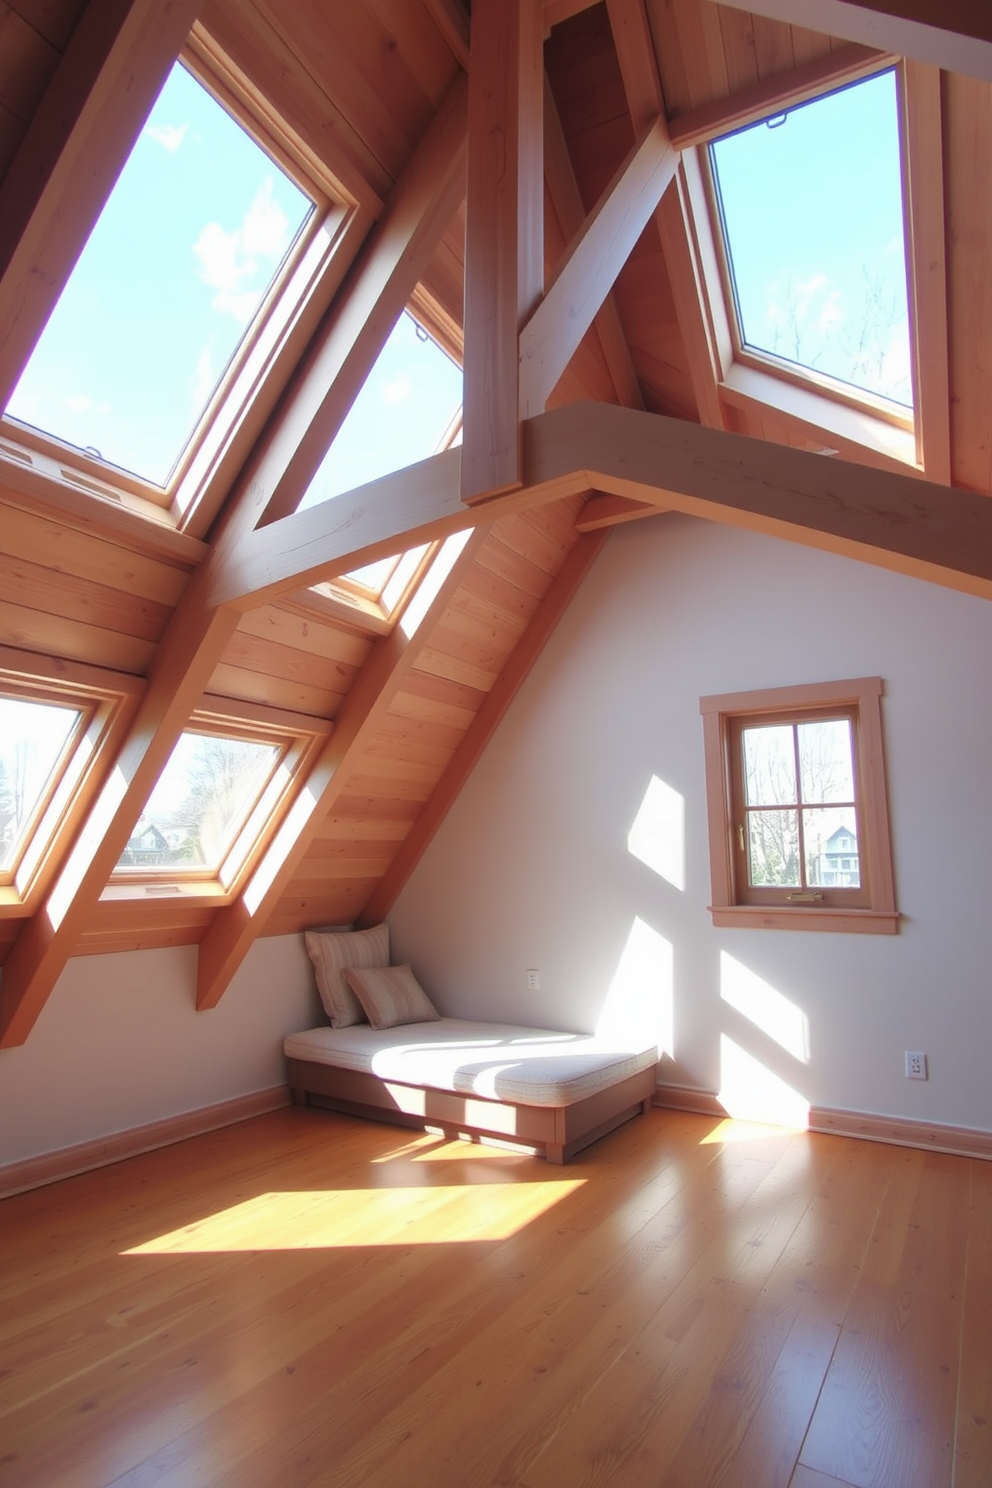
<point x="215" y="608"/>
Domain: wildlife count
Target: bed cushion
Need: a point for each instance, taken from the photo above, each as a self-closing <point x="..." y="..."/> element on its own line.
<point x="333" y="950"/>
<point x="531" y="1066"/>
<point x="390" y="995"/>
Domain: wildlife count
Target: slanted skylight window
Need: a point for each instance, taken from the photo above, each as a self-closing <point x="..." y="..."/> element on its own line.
<point x="191" y="238"/>
<point x="202" y="799"/>
<point x="35" y="743"/>
<point x="405" y="409"/>
<point x="812" y="214"/>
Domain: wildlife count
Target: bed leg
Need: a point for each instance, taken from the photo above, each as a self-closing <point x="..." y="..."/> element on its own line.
<point x="555" y="1153"/>
<point x="299" y="1096"/>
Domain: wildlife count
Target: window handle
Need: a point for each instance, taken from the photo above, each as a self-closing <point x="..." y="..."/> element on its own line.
<point x="740" y="837"/>
<point x="805" y="896"/>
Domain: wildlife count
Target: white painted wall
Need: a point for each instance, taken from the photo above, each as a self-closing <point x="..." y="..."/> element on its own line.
<point x="120" y="1043"/>
<point x="532" y="868"/>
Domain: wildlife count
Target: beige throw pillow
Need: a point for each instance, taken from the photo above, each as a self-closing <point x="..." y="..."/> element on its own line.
<point x="391" y="995"/>
<point x="331" y="952"/>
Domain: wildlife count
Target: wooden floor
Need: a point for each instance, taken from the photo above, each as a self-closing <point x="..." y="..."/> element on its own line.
<point x="308" y="1299"/>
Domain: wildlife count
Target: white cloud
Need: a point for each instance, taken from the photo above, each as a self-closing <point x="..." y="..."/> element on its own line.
<point x="832" y="311"/>
<point x="397" y="391"/>
<point x="78" y="403"/>
<point x="238" y="264"/>
<point x="169" y="136"/>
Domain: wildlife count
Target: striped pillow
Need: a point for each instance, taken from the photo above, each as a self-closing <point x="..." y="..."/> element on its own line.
<point x="391" y="995"/>
<point x="330" y="953"/>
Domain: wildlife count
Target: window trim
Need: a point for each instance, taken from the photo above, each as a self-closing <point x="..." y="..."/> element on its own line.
<point x="107" y="702"/>
<point x="299" y="738"/>
<point x="745" y="382"/>
<point x="864" y="696"/>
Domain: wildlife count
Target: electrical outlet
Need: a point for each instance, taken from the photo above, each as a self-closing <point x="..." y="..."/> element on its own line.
<point x="916" y="1065"/>
<point x="533" y="980"/>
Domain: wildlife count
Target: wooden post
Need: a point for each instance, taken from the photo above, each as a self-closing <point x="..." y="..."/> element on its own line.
<point x="504" y="249"/>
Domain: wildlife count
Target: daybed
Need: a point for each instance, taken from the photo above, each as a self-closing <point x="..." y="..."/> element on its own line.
<point x="554" y="1091"/>
<point x="388" y="1054"/>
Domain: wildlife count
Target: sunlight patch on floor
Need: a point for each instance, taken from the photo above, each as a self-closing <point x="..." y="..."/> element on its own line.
<point x="335" y="1218"/>
<point x="729" y="1130"/>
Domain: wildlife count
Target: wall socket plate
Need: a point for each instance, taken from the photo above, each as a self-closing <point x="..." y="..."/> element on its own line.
<point x="916" y="1065"/>
<point x="533" y="980"/>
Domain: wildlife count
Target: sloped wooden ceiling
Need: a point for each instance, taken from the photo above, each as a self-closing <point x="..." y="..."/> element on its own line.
<point x="592" y="293"/>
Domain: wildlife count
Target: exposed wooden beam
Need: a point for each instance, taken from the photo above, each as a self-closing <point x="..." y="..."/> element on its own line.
<point x="451" y="19"/>
<point x="612" y="511"/>
<point x="481" y="729"/>
<point x="953" y="34"/>
<point x="504" y="247"/>
<point x="894" y="521"/>
<point x="372" y="299"/>
<point x="776" y="94"/>
<point x="567" y="201"/>
<point x="184" y="662"/>
<point x="707" y="343"/>
<point x="79" y="138"/>
<point x="923" y="192"/>
<point x="590" y="266"/>
<point x="234" y="928"/>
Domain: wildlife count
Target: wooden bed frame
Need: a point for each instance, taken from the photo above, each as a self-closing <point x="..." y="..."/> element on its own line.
<point x="559" y="1131"/>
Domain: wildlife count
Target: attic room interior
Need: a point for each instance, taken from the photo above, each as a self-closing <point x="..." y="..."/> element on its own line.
<point x="517" y="473"/>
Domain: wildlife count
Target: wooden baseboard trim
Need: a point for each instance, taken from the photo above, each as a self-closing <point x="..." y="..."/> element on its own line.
<point x="898" y="1131"/>
<point x="66" y="1162"/>
<point x="688" y="1098"/>
<point x="961" y="1141"/>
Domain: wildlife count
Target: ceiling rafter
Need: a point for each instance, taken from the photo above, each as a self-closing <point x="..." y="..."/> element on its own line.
<point x="953" y="34"/>
<point x="235" y="927"/>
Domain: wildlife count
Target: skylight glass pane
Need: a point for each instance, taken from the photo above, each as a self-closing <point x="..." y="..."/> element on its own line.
<point x="813" y="219"/>
<point x="33" y="739"/>
<point x="201" y="801"/>
<point x="400" y="416"/>
<point x="174" y="270"/>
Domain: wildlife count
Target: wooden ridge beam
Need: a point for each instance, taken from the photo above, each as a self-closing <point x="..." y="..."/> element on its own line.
<point x="504" y="232"/>
<point x="109" y="76"/>
<point x="481" y="729"/>
<point x="899" y="522"/>
<point x="590" y="266"/>
<point x="612" y="511"/>
<point x="953" y="34"/>
<point x="234" y="928"/>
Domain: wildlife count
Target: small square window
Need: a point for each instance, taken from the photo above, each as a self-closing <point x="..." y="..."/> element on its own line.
<point x="799" y="835"/>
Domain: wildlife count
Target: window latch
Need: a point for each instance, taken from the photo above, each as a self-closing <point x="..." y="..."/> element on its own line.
<point x="805" y="896"/>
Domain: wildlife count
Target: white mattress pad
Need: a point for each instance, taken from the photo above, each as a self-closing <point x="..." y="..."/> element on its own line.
<point x="532" y="1066"/>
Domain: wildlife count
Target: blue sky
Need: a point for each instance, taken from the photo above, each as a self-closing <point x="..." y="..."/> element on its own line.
<point x="194" y="231"/>
<point x="813" y="207"/>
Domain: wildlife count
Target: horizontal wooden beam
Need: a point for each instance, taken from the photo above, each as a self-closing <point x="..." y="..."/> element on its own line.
<point x="894" y="521"/>
<point x="953" y="34"/>
<point x="590" y="266"/>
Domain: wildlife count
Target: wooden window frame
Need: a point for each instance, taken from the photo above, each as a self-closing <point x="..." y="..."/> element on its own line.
<point x="749" y="382"/>
<point x="107" y="702"/>
<point x="299" y="739"/>
<point x="871" y="910"/>
<point x="232" y="416"/>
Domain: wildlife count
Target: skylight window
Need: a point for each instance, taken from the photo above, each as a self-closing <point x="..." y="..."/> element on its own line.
<point x="203" y="797"/>
<point x="190" y="240"/>
<point x="812" y="213"/>
<point x="405" y="410"/>
<point x="35" y="743"/>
